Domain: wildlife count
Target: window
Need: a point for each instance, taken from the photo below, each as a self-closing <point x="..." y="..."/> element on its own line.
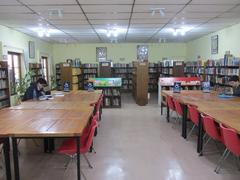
<point x="14" y="64"/>
<point x="44" y="63"/>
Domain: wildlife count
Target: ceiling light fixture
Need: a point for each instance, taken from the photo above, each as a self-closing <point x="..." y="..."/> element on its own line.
<point x="160" y="10"/>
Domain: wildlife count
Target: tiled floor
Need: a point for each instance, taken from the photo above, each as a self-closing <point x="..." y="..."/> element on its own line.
<point x="133" y="143"/>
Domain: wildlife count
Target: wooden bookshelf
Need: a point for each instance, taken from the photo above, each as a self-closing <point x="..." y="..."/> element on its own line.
<point x="58" y="77"/>
<point x="36" y="69"/>
<point x="153" y="75"/>
<point x="123" y="71"/>
<point x="172" y="68"/>
<point x="4" y="85"/>
<point x="88" y="71"/>
<point x="72" y="75"/>
<point x="140" y="82"/>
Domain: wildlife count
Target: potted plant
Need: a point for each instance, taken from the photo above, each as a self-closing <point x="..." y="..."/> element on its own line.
<point x="21" y="86"/>
<point x="53" y="82"/>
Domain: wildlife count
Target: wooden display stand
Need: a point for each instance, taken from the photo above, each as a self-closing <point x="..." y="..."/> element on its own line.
<point x="71" y="75"/>
<point x="140" y="82"/>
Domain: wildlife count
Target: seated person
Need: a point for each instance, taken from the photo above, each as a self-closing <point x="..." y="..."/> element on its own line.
<point x="41" y="88"/>
<point x="234" y="82"/>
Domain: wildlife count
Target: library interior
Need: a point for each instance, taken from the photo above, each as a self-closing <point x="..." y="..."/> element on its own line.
<point x="120" y="89"/>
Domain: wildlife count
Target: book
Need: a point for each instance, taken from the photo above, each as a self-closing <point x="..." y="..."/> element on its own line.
<point x="177" y="87"/>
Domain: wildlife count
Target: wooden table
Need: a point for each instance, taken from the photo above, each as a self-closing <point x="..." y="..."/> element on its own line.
<point x="61" y="117"/>
<point x="226" y="111"/>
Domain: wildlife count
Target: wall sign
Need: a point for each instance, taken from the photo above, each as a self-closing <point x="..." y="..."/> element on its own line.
<point x="142" y="52"/>
<point x="214" y="44"/>
<point x="101" y="54"/>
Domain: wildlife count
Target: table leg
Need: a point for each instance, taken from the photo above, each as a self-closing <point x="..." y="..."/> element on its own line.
<point x="161" y="108"/>
<point x="6" y="148"/>
<point x="200" y="136"/>
<point x="78" y="158"/>
<point x="15" y="158"/>
<point x="168" y="113"/>
<point x="184" y="122"/>
<point x="45" y="145"/>
<point x="49" y="145"/>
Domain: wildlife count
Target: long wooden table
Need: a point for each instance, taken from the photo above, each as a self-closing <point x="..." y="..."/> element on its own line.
<point x="65" y="116"/>
<point x="226" y="111"/>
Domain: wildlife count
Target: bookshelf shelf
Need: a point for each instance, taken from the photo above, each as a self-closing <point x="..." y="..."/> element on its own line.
<point x="4" y="85"/>
<point x="36" y="69"/>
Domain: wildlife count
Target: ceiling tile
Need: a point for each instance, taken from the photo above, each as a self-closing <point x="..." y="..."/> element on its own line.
<point x="208" y="8"/>
<point x="142" y="26"/>
<point x="215" y="2"/>
<point x="68" y="22"/>
<point x="65" y="16"/>
<point x="168" y="8"/>
<point x="105" y="1"/>
<point x="65" y="9"/>
<point x="148" y="15"/>
<point x="110" y="22"/>
<point x="109" y="16"/>
<point x="14" y="9"/>
<point x="150" y="21"/>
<point x="9" y="2"/>
<point x="47" y="2"/>
<point x="161" y="1"/>
<point x="106" y="8"/>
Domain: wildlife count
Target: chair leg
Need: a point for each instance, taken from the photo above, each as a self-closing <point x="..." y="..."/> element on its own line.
<point x="68" y="162"/>
<point x="89" y="164"/>
<point x="190" y="133"/>
<point x="221" y="160"/>
<point x="237" y="163"/>
<point x="209" y="138"/>
<point x="93" y="149"/>
<point x="35" y="142"/>
<point x="83" y="175"/>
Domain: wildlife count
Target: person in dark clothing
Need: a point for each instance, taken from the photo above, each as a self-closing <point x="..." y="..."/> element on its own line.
<point x="35" y="89"/>
<point x="234" y="82"/>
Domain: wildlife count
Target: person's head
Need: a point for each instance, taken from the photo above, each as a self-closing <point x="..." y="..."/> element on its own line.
<point x="234" y="81"/>
<point x="41" y="83"/>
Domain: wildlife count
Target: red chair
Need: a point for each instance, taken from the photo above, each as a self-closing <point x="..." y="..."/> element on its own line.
<point x="231" y="140"/>
<point x="178" y="109"/>
<point x="212" y="129"/>
<point x="194" y="117"/>
<point x="170" y="104"/>
<point x="69" y="146"/>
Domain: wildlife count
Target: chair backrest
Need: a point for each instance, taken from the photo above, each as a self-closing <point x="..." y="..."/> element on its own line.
<point x="87" y="144"/>
<point x="193" y="114"/>
<point x="231" y="139"/>
<point x="88" y="127"/>
<point x="170" y="103"/>
<point x="178" y="107"/>
<point x="211" y="127"/>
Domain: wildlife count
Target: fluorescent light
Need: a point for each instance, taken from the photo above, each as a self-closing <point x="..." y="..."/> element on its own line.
<point x="153" y="12"/>
<point x="175" y="32"/>
<point x="40" y="33"/>
<point x="115" y="33"/>
<point x="183" y="33"/>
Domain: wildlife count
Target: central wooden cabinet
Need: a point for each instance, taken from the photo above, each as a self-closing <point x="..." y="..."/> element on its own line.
<point x="140" y="82"/>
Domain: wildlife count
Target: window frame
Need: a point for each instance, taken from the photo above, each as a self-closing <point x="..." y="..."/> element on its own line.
<point x="44" y="58"/>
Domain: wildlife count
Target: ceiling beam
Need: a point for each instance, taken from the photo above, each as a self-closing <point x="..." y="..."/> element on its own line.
<point x="89" y="21"/>
<point x="130" y="19"/>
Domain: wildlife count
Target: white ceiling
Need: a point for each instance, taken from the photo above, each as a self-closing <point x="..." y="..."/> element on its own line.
<point x="87" y="21"/>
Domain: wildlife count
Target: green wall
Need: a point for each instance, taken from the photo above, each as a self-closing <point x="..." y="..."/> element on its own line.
<point x="228" y="38"/>
<point x="18" y="42"/>
<point x="115" y="52"/>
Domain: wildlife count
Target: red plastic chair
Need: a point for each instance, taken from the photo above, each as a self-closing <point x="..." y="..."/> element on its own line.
<point x="231" y="140"/>
<point x="178" y="107"/>
<point x="212" y="129"/>
<point x="69" y="146"/>
<point x="170" y="103"/>
<point x="193" y="116"/>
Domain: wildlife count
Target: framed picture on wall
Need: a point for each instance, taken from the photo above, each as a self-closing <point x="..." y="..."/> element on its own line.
<point x="214" y="44"/>
<point x="31" y="49"/>
<point x="142" y="52"/>
<point x="101" y="54"/>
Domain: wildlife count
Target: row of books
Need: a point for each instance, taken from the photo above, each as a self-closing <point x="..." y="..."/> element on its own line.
<point x="85" y="71"/>
<point x="88" y="65"/>
<point x="3" y="74"/>
<point x="3" y="94"/>
<point x="3" y="84"/>
<point x="4" y="103"/>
